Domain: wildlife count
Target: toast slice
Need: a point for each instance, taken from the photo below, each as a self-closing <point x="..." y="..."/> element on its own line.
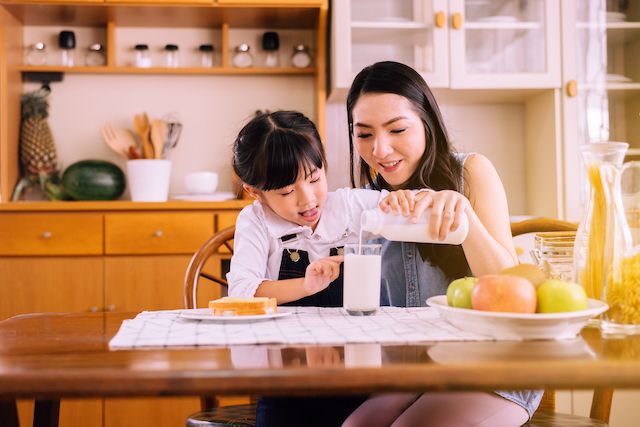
<point x="229" y="306"/>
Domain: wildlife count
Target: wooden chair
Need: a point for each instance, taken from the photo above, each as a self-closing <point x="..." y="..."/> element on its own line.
<point x="211" y="413"/>
<point x="546" y="416"/>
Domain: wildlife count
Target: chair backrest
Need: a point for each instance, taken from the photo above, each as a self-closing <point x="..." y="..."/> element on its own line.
<point x="602" y="397"/>
<point x="222" y="238"/>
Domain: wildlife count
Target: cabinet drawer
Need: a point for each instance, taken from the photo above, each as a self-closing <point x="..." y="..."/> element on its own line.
<point x="51" y="234"/>
<point x="226" y="219"/>
<point x="163" y="233"/>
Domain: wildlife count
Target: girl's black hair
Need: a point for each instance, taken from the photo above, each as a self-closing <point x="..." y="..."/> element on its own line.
<point x="272" y="149"/>
<point x="439" y="169"/>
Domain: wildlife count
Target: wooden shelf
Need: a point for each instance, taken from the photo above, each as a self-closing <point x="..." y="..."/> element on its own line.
<point x="119" y="205"/>
<point x="177" y="71"/>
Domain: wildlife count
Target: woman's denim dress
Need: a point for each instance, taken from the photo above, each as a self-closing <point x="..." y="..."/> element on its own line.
<point x="407" y="281"/>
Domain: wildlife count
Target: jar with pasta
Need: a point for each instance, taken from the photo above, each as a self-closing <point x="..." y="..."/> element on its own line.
<point x="593" y="250"/>
<point x="622" y="288"/>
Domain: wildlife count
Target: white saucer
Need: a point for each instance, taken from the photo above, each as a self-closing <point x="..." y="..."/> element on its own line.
<point x="205" y="314"/>
<point x="618" y="78"/>
<point x="498" y="18"/>
<point x="211" y="197"/>
<point x="616" y="17"/>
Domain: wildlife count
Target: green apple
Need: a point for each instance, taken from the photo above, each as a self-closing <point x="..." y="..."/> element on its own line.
<point x="459" y="292"/>
<point x="557" y="296"/>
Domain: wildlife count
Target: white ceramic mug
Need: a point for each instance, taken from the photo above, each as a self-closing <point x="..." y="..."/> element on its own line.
<point x="149" y="179"/>
<point x="201" y="182"/>
<point x="362" y="269"/>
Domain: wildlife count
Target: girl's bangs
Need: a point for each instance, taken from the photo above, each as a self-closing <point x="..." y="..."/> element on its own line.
<point x="288" y="154"/>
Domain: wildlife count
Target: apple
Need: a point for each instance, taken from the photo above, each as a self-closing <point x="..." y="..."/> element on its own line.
<point x="557" y="296"/>
<point x="497" y="292"/>
<point x="459" y="292"/>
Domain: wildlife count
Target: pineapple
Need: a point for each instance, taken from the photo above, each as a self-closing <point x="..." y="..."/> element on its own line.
<point x="38" y="157"/>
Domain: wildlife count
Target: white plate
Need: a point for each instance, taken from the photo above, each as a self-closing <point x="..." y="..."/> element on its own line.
<point x="617" y="78"/>
<point x="205" y="314"/>
<point x="516" y="326"/>
<point x="498" y="18"/>
<point x="616" y="17"/>
<point x="212" y="197"/>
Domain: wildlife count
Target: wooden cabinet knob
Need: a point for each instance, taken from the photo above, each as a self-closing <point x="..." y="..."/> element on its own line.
<point x="46" y="235"/>
<point x="572" y="88"/>
<point x="456" y="20"/>
<point x="440" y="19"/>
<point x="111" y="307"/>
<point x="158" y="233"/>
<point x="93" y="309"/>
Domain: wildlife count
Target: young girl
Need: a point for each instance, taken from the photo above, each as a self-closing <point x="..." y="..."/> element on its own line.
<point x="288" y="243"/>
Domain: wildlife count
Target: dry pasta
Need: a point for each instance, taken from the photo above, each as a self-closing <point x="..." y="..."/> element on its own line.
<point x="623" y="292"/>
<point x="592" y="275"/>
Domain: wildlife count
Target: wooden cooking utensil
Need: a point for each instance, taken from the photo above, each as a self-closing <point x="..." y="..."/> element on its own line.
<point x="141" y="125"/>
<point x="158" y="137"/>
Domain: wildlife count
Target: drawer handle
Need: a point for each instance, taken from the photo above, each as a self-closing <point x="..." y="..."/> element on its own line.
<point x="158" y="233"/>
<point x="93" y="309"/>
<point x="111" y="307"/>
<point x="46" y="235"/>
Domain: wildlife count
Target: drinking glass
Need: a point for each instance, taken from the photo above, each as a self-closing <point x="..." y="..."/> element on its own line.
<point x="362" y="266"/>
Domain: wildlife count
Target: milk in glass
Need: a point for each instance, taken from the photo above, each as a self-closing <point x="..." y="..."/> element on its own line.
<point x="362" y="267"/>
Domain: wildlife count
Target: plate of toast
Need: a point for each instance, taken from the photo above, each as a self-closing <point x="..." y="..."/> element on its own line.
<point x="229" y="309"/>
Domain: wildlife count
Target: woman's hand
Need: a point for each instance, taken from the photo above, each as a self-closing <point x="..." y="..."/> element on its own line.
<point x="445" y="207"/>
<point x="321" y="273"/>
<point x="399" y="202"/>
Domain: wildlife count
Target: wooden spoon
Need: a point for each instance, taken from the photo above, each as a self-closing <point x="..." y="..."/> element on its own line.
<point x="158" y="137"/>
<point x="141" y="125"/>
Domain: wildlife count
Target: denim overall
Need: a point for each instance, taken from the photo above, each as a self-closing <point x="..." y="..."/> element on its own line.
<point x="323" y="411"/>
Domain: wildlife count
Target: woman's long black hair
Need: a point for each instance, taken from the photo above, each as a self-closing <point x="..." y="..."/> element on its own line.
<point x="438" y="169"/>
<point x="273" y="148"/>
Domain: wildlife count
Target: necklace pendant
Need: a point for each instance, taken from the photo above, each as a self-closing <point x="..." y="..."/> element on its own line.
<point x="295" y="256"/>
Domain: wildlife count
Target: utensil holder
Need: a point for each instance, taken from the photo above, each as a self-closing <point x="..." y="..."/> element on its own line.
<point x="149" y="179"/>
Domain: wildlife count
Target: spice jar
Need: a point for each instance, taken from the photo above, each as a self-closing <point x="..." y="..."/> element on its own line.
<point x="243" y="57"/>
<point x="300" y="57"/>
<point x="171" y="56"/>
<point x="206" y="55"/>
<point x="271" y="44"/>
<point x="95" y="56"/>
<point x="142" y="58"/>
<point x="37" y="54"/>
<point x="67" y="44"/>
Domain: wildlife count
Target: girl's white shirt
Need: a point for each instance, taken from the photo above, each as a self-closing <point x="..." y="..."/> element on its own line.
<point x="258" y="246"/>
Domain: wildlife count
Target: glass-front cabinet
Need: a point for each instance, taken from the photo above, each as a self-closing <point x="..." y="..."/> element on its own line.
<point x="453" y="43"/>
<point x="504" y="43"/>
<point x="601" y="73"/>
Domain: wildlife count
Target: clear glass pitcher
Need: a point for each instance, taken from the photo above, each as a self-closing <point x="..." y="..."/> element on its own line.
<point x="593" y="250"/>
<point x="622" y="287"/>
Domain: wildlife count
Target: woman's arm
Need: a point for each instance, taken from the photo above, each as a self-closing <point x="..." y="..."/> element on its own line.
<point x="489" y="245"/>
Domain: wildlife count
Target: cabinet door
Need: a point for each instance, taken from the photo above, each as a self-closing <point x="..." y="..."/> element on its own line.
<point x="413" y="32"/>
<point x="601" y="74"/>
<point x="149" y="412"/>
<point x="50" y="284"/>
<point x="73" y="412"/>
<point x="505" y="44"/>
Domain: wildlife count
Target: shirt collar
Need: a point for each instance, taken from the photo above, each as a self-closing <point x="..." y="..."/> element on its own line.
<point x="333" y="224"/>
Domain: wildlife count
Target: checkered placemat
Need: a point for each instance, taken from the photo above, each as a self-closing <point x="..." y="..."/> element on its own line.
<point x="307" y="325"/>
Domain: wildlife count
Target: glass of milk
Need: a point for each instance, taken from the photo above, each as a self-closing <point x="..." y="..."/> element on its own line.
<point x="361" y="279"/>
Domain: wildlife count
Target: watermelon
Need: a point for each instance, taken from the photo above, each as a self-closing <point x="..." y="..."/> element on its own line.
<point x="93" y="180"/>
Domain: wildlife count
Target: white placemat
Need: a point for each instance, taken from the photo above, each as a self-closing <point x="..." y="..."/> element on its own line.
<point x="307" y="325"/>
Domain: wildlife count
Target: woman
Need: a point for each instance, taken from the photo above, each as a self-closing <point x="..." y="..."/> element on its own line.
<point x="396" y="128"/>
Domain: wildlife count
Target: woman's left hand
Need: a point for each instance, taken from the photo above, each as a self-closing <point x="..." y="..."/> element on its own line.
<point x="446" y="208"/>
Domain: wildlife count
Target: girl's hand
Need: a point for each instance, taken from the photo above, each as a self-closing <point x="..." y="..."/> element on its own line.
<point x="446" y="208"/>
<point x="399" y="202"/>
<point x="321" y="272"/>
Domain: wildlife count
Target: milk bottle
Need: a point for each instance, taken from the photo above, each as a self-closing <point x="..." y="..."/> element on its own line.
<point x="400" y="228"/>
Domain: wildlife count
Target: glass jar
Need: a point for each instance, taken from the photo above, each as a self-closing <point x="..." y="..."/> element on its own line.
<point x="243" y="57"/>
<point x="67" y="44"/>
<point x="95" y="56"/>
<point x="142" y="58"/>
<point x="37" y="54"/>
<point x="271" y="44"/>
<point x="171" y="56"/>
<point x="593" y="250"/>
<point x="553" y="253"/>
<point x="206" y="55"/>
<point x="300" y="57"/>
<point x="622" y="288"/>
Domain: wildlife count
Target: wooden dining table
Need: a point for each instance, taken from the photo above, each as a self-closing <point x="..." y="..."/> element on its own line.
<point x="49" y="356"/>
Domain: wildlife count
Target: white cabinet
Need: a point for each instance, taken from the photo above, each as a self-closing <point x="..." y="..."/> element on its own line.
<point x="476" y="44"/>
<point x="601" y="74"/>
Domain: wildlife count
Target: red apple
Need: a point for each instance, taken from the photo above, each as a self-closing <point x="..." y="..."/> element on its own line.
<point x="497" y="292"/>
